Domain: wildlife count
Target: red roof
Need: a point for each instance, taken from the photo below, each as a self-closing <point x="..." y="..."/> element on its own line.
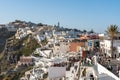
<point x="74" y="45"/>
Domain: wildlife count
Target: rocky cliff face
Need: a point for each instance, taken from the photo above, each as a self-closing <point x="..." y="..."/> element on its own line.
<point x="4" y="34"/>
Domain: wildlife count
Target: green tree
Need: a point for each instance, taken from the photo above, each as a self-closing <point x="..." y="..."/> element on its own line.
<point x="112" y="30"/>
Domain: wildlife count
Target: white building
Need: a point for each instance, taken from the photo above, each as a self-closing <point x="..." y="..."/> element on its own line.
<point x="40" y="37"/>
<point x="22" y="32"/>
<point x="118" y="50"/>
<point x="44" y="53"/>
<point x="34" y="74"/>
<point x="105" y="46"/>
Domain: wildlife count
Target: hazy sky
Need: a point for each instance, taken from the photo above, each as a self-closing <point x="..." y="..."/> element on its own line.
<point x="80" y="14"/>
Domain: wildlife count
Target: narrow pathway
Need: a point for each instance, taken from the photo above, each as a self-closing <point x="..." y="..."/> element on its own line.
<point x="2" y="53"/>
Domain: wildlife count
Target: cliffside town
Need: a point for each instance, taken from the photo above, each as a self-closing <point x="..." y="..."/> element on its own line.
<point x="30" y="51"/>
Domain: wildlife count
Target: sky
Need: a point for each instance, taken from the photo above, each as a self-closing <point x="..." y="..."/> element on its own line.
<point x="80" y="14"/>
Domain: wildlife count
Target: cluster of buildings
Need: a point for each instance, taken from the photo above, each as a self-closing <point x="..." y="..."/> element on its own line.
<point x="23" y="32"/>
<point x="105" y="45"/>
<point x="61" y="57"/>
<point x="66" y="56"/>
